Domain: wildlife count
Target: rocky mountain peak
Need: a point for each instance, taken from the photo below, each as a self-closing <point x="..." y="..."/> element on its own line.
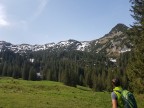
<point x="119" y="28"/>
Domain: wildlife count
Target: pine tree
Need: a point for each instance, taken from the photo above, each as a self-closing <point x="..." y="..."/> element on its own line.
<point x="32" y="74"/>
<point x="1" y="69"/>
<point x="16" y="72"/>
<point x="10" y="70"/>
<point x="108" y="80"/>
<point x="25" y="71"/>
<point x="135" y="69"/>
<point x="4" y="72"/>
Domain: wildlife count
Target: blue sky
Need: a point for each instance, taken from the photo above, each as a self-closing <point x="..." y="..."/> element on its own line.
<point x="46" y="21"/>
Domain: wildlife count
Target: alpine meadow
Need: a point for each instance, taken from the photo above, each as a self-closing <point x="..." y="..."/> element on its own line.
<point x="72" y="73"/>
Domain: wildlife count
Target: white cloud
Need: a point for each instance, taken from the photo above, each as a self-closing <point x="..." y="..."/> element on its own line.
<point x="3" y="17"/>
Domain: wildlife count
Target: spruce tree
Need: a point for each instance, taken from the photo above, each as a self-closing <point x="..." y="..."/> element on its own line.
<point x="32" y="74"/>
<point x="135" y="69"/>
<point x="16" y="71"/>
<point x="10" y="70"/>
<point x="25" y="71"/>
<point x="4" y="71"/>
<point x="1" y="69"/>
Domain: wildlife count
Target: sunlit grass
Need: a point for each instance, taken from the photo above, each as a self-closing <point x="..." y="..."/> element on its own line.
<point x="47" y="94"/>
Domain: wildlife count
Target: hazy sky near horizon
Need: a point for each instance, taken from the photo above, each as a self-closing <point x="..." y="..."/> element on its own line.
<point x="46" y="21"/>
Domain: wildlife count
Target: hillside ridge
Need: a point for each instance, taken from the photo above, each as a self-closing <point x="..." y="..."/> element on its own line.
<point x="109" y="43"/>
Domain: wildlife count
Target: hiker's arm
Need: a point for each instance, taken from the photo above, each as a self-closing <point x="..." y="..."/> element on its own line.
<point x="114" y="103"/>
<point x="114" y="100"/>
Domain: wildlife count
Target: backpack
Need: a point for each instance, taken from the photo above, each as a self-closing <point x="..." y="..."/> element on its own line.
<point x="128" y="99"/>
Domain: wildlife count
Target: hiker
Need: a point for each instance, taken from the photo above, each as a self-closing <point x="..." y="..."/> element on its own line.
<point x="122" y="98"/>
<point x="116" y="96"/>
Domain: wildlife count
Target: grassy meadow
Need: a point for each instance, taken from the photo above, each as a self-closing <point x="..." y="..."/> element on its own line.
<point x="47" y="94"/>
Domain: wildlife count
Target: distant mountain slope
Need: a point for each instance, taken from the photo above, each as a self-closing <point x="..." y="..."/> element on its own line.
<point x="113" y="43"/>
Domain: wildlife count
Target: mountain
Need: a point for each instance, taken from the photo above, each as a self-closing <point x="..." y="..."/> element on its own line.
<point x="85" y="63"/>
<point x="112" y="44"/>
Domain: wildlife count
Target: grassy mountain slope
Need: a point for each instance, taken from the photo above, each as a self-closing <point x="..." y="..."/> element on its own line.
<point x="46" y="94"/>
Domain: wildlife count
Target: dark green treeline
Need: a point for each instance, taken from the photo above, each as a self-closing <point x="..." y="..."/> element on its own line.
<point x="70" y="67"/>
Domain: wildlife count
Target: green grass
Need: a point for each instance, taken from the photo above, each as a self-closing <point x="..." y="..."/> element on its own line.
<point x="46" y="94"/>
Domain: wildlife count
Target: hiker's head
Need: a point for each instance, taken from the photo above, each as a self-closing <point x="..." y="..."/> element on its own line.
<point x="116" y="82"/>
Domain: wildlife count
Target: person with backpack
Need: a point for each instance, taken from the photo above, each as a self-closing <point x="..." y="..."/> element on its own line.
<point x="116" y="96"/>
<point x="122" y="98"/>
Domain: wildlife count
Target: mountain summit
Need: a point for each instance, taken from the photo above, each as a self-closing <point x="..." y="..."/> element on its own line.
<point x="119" y="27"/>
